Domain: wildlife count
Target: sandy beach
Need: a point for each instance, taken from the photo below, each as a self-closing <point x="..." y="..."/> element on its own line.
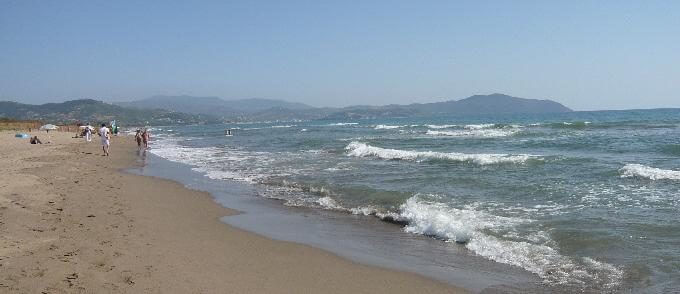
<point x="71" y="221"/>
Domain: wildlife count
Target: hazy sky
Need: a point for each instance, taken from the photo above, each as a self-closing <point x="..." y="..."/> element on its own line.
<point x="585" y="54"/>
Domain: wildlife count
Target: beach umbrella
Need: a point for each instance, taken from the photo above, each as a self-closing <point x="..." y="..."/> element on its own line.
<point x="87" y="127"/>
<point x="49" y="127"/>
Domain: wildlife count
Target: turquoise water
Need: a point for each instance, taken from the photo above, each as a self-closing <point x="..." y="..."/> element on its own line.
<point x="586" y="201"/>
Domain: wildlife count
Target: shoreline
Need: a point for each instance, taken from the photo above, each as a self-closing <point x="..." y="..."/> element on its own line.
<point x="364" y="239"/>
<point x="86" y="224"/>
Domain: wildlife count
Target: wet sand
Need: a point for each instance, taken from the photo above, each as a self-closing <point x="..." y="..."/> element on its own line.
<point x="72" y="222"/>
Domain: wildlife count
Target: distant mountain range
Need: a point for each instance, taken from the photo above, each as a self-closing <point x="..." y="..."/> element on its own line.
<point x="92" y="111"/>
<point x="213" y="106"/>
<point x="190" y="110"/>
<point x="473" y="105"/>
<point x="267" y="109"/>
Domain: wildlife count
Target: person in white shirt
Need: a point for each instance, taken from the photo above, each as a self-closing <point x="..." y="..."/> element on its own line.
<point x="105" y="136"/>
<point x="88" y="134"/>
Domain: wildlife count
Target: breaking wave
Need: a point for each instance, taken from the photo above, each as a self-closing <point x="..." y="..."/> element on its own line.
<point x="358" y="149"/>
<point x="441" y="126"/>
<point x="473" y="130"/>
<point x="652" y="173"/>
<point x="386" y="127"/>
<point x="471" y="227"/>
<point x="486" y="133"/>
<point x="343" y="124"/>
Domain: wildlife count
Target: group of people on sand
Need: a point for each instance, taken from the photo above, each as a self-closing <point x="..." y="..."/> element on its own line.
<point x="104" y="133"/>
<point x="35" y="140"/>
<point x="142" y="137"/>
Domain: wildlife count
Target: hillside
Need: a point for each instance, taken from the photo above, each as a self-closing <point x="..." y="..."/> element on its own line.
<point x="473" y="105"/>
<point x="92" y="111"/>
<point x="267" y="109"/>
<point x="163" y="110"/>
<point x="213" y="106"/>
<point x="493" y="104"/>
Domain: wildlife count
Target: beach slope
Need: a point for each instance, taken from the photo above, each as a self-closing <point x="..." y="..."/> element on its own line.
<point x="72" y="222"/>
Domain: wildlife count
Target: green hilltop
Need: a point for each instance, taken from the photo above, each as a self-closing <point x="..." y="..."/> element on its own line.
<point x="93" y="111"/>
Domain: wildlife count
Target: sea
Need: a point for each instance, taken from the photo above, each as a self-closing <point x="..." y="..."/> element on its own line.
<point x="580" y="202"/>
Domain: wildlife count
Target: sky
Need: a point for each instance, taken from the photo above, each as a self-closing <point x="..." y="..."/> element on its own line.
<point x="587" y="55"/>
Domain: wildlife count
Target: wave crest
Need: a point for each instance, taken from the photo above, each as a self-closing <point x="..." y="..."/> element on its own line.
<point x="358" y="149"/>
<point x="474" y="133"/>
<point x="652" y="173"/>
<point x="386" y="127"/>
<point x="470" y="227"/>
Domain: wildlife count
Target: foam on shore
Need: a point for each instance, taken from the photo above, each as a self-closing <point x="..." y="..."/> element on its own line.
<point x="470" y="227"/>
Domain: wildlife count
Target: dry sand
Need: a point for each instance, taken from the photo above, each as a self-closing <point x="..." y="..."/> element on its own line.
<point x="72" y="222"/>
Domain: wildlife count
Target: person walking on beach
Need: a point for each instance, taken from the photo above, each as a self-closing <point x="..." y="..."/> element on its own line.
<point x="146" y="136"/>
<point x="88" y="133"/>
<point x="138" y="138"/>
<point x="106" y="137"/>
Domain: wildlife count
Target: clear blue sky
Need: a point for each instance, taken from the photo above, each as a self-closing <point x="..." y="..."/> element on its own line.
<point x="585" y="54"/>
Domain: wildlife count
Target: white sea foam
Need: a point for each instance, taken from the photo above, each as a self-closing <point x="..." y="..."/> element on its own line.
<point x="343" y="124"/>
<point x="479" y="126"/>
<point x="210" y="160"/>
<point x="283" y="126"/>
<point x="652" y="173"/>
<point x="364" y="150"/>
<point x="441" y="126"/>
<point x="487" y="133"/>
<point x="469" y="226"/>
<point x="386" y="127"/>
<point x="435" y="219"/>
<point x="226" y="175"/>
<point x="328" y="203"/>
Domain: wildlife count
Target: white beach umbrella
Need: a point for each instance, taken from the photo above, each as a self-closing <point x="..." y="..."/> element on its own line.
<point x="87" y="127"/>
<point x="49" y="127"/>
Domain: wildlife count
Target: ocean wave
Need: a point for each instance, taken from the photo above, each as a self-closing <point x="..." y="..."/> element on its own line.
<point x="211" y="160"/>
<point x="487" y="133"/>
<point x="652" y="173"/>
<point x="441" y="126"/>
<point x="475" y="126"/>
<point x="358" y="149"/>
<point x="569" y="125"/>
<point x="479" y="126"/>
<point x="386" y="127"/>
<point x="470" y="227"/>
<point x="343" y="124"/>
<point x="328" y="203"/>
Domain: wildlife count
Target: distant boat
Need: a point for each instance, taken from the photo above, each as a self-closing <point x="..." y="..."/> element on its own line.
<point x="228" y="133"/>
